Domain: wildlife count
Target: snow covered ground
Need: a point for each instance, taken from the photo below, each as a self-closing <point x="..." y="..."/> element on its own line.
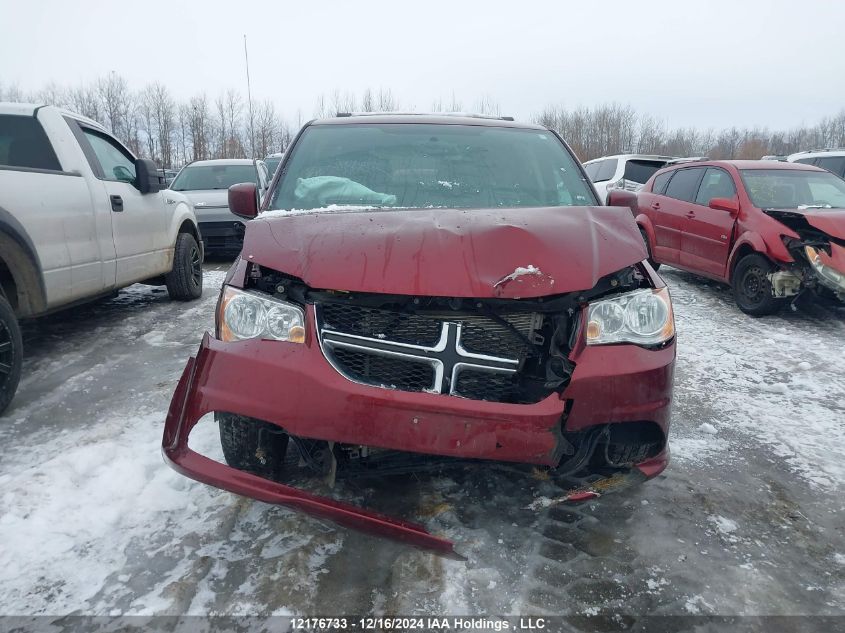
<point x="748" y="519"/>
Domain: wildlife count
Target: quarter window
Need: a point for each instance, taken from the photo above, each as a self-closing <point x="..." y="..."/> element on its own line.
<point x="684" y="184"/>
<point x="606" y="170"/>
<point x="23" y="143"/>
<point x="659" y="185"/>
<point x="116" y="164"/>
<point x="717" y="183"/>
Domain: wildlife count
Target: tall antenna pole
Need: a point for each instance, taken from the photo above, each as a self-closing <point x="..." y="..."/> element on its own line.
<point x="249" y="97"/>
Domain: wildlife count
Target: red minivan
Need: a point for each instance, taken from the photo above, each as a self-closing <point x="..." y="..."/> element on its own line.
<point x="423" y="290"/>
<point x="773" y="231"/>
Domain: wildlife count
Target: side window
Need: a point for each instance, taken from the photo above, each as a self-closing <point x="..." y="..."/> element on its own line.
<point x="806" y="161"/>
<point x="684" y="185"/>
<point x="659" y="185"/>
<point x="717" y="183"/>
<point x="592" y="171"/>
<point x="835" y="164"/>
<point x="23" y="143"/>
<point x="115" y="163"/>
<point x="606" y="170"/>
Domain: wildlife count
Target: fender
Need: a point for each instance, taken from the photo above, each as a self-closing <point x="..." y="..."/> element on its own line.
<point x="25" y="269"/>
<point x="754" y="241"/>
<point x="644" y="222"/>
<point x="180" y="209"/>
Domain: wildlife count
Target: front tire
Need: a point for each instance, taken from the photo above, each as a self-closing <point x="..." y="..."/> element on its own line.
<point x="652" y="263"/>
<point x="751" y="286"/>
<point x="253" y="445"/>
<point x="11" y="353"/>
<point x="184" y="282"/>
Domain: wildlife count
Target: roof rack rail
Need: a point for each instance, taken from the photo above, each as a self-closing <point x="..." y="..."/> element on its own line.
<point x="821" y="149"/>
<point x="469" y="115"/>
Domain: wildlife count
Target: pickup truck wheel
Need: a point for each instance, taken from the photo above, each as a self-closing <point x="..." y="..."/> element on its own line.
<point x="253" y="445"/>
<point x="752" y="288"/>
<point x="651" y="261"/>
<point x="11" y="353"/>
<point x="184" y="282"/>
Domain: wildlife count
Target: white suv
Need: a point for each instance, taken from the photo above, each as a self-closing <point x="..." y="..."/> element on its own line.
<point x="623" y="171"/>
<point x="832" y="160"/>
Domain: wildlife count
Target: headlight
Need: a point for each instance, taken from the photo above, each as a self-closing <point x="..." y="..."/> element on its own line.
<point x="245" y="314"/>
<point x="829" y="276"/>
<point x="643" y="317"/>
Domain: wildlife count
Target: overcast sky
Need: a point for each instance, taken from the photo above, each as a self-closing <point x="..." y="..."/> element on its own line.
<point x="777" y="63"/>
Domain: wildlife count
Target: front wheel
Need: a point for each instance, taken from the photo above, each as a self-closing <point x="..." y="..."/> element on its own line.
<point x="253" y="445"/>
<point x="11" y="353"/>
<point x="752" y="288"/>
<point x="184" y="282"/>
<point x="652" y="263"/>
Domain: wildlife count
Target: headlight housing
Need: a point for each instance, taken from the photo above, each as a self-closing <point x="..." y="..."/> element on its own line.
<point x="245" y="314"/>
<point x="829" y="276"/>
<point x="643" y="317"/>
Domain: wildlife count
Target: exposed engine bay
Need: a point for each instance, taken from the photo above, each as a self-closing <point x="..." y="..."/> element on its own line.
<point x="812" y="270"/>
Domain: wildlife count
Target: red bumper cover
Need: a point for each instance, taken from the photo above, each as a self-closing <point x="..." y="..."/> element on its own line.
<point x="294" y="386"/>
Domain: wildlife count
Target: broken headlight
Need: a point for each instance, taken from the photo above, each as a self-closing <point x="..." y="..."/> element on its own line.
<point x="245" y="314"/>
<point x="828" y="276"/>
<point x="643" y="317"/>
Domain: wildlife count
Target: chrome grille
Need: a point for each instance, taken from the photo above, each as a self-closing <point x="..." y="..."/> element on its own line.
<point x="473" y="356"/>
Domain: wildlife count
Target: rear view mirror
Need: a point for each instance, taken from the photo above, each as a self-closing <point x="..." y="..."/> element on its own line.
<point x="243" y="200"/>
<point x="731" y="205"/>
<point x="621" y="198"/>
<point x="148" y="178"/>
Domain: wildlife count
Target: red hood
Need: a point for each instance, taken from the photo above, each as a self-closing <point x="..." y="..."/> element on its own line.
<point x="447" y="252"/>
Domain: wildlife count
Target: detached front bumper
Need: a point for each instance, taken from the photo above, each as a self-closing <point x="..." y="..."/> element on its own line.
<point x="293" y="386"/>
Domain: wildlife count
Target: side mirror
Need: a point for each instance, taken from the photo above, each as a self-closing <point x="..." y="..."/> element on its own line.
<point x="621" y="198"/>
<point x="148" y="178"/>
<point x="243" y="200"/>
<point x="731" y="205"/>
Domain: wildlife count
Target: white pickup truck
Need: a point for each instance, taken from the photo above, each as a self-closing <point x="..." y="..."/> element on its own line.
<point x="81" y="217"/>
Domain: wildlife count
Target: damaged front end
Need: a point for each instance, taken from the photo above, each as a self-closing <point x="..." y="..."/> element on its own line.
<point x="818" y="257"/>
<point x="368" y="384"/>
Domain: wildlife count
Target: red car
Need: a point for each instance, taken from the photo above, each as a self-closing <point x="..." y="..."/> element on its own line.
<point x="425" y="288"/>
<point x="774" y="231"/>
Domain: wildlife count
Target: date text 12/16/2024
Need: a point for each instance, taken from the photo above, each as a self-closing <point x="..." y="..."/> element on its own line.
<point x="454" y="623"/>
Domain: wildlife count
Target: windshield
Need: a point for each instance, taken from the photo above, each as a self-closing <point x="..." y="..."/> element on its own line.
<point x="793" y="188"/>
<point x="427" y="165"/>
<point x="199" y="177"/>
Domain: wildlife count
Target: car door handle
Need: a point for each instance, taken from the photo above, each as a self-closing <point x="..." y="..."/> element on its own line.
<point x="690" y="215"/>
<point x="655" y="205"/>
<point x="116" y="203"/>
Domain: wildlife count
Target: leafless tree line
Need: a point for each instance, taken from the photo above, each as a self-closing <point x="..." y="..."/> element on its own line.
<point x="617" y="129"/>
<point x="154" y="124"/>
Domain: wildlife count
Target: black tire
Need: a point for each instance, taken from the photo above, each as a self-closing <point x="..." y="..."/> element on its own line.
<point x="11" y="353"/>
<point x="253" y="445"/>
<point x="751" y="286"/>
<point x="651" y="261"/>
<point x="184" y="282"/>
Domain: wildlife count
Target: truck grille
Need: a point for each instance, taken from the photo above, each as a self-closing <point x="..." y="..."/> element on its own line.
<point x="475" y="356"/>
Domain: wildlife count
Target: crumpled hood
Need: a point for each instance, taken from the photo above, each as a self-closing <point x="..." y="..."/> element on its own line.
<point x="831" y="221"/>
<point x="513" y="253"/>
<point x="211" y="198"/>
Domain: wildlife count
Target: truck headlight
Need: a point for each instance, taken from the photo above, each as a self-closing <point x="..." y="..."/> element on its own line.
<point x="829" y="276"/>
<point x="245" y="314"/>
<point x="643" y="317"/>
